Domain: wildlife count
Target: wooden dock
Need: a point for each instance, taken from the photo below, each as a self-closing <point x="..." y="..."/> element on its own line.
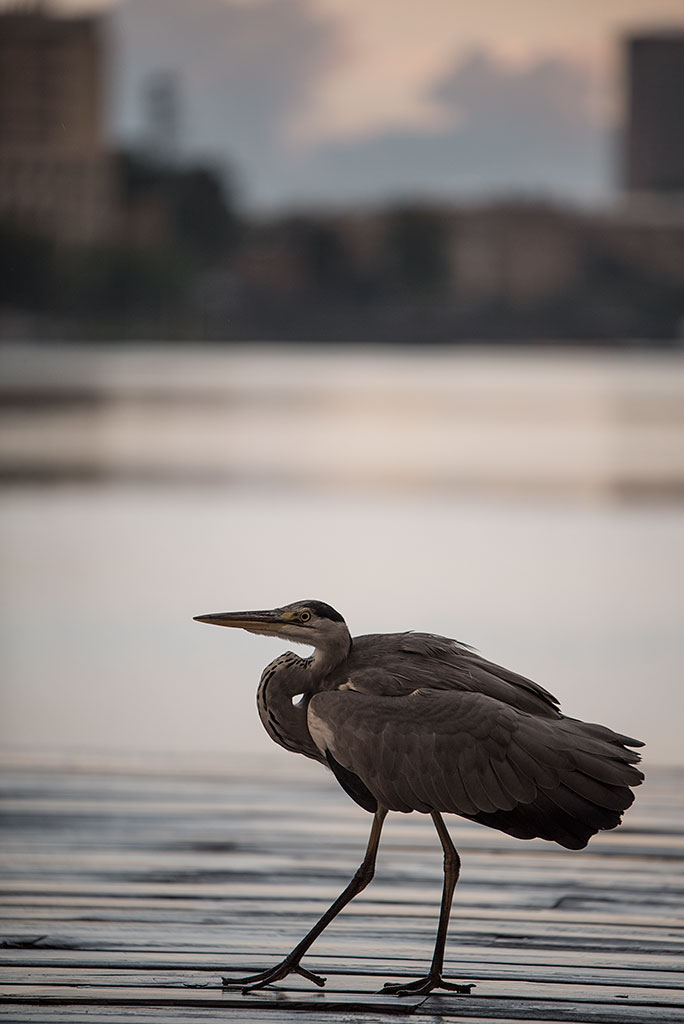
<point x="127" y="894"/>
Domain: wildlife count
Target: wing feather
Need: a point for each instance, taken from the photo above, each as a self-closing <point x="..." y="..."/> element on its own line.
<point x="518" y="787"/>
<point x="613" y="798"/>
<point x="477" y="780"/>
<point x="395" y="664"/>
<point x="470" y="754"/>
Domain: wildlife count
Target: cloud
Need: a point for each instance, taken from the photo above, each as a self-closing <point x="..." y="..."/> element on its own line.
<point x="243" y="73"/>
<point x="246" y="72"/>
<point x="504" y="129"/>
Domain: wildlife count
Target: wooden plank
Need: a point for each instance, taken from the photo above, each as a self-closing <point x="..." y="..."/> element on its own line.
<point x="345" y="982"/>
<point x="128" y="896"/>
<point x="346" y="935"/>
<point x="548" y="1010"/>
<point x="71" y="1014"/>
<point x="42" y="914"/>
<point x="284" y="998"/>
<point x="106" y="972"/>
<point x="504" y="1006"/>
<point x="460" y="960"/>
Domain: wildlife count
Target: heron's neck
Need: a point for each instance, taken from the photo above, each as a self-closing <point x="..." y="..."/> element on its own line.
<point x="287" y="677"/>
<point x="325" y="660"/>
<point x="285" y="722"/>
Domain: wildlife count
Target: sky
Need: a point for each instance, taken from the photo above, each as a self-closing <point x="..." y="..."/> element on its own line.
<point x="344" y="101"/>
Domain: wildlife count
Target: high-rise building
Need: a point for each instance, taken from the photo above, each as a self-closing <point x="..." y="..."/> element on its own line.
<point x="654" y="143"/>
<point x="161" y="107"/>
<point x="55" y="170"/>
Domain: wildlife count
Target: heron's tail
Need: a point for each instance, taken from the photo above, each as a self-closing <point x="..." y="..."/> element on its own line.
<point x="590" y="795"/>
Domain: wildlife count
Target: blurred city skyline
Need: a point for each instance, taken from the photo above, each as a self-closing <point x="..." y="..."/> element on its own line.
<point x="324" y="102"/>
<point x="158" y="179"/>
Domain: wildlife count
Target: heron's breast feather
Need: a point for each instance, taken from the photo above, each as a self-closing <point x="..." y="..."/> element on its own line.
<point x="320" y="731"/>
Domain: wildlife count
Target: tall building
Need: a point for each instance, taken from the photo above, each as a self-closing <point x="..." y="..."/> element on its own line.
<point x="654" y="143"/>
<point x="55" y="171"/>
<point x="161" y="107"/>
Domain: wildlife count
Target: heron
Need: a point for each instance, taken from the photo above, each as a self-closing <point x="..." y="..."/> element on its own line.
<point x="413" y="721"/>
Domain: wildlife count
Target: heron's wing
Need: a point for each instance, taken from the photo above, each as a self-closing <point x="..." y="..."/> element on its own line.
<point x="469" y="754"/>
<point x="398" y="663"/>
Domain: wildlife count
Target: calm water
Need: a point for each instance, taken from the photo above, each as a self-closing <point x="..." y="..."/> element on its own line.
<point x="498" y="420"/>
<point x="464" y="494"/>
<point x="99" y="650"/>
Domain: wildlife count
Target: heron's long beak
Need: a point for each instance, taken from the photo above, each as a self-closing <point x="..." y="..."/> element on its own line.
<point x="266" y="622"/>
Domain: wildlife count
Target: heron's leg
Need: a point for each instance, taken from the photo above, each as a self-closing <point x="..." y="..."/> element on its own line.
<point x="452" y="869"/>
<point x="290" y="965"/>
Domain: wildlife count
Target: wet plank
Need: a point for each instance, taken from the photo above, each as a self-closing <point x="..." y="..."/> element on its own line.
<point x="126" y="894"/>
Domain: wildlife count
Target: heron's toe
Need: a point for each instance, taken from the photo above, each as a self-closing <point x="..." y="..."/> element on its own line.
<point x="256" y="981"/>
<point x="423" y="986"/>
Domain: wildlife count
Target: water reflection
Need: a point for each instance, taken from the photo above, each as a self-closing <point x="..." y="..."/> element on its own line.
<point x="342" y="479"/>
<point x="436" y="419"/>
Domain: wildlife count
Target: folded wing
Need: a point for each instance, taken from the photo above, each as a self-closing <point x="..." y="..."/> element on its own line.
<point x="470" y="754"/>
<point x="398" y="663"/>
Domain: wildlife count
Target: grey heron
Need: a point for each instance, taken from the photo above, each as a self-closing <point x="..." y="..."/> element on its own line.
<point x="418" y="722"/>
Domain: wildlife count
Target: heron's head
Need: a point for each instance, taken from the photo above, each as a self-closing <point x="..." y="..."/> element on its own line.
<point x="313" y="623"/>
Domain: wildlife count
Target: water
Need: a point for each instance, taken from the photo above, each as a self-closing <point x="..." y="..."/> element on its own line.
<point x="99" y="649"/>
<point x="502" y="420"/>
<point x="101" y="580"/>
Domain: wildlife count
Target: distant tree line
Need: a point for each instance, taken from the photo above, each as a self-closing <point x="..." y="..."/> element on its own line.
<point x="184" y="260"/>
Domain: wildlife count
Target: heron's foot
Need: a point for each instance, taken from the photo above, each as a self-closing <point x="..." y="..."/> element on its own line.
<point x="273" y="974"/>
<point x="423" y="986"/>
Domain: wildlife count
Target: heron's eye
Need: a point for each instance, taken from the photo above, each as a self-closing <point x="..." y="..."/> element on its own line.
<point x="304" y="616"/>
